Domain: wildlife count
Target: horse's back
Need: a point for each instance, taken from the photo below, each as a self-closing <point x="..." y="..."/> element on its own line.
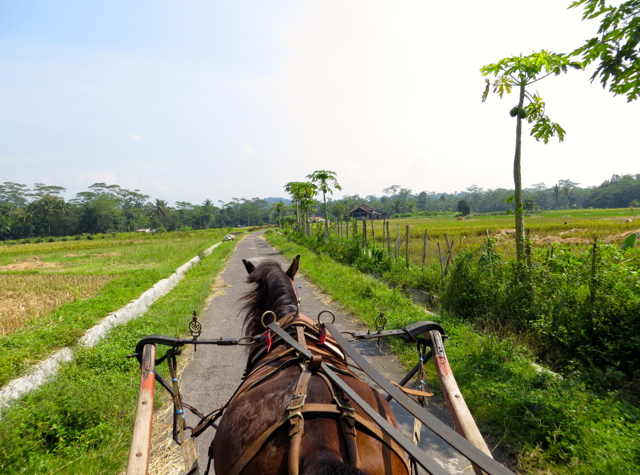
<point x="323" y="450"/>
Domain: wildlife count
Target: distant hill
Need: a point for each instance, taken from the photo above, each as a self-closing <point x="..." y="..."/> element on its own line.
<point x="272" y="200"/>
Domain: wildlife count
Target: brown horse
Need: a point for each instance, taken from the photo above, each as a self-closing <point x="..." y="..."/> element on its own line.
<point x="287" y="418"/>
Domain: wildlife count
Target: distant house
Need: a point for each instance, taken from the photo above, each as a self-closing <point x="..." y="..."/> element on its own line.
<point x="145" y="230"/>
<point x="365" y="212"/>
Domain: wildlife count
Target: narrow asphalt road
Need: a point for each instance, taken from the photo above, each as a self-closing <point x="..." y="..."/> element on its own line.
<point x="212" y="376"/>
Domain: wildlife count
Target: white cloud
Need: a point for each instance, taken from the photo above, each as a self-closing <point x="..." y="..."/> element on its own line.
<point x="249" y="149"/>
<point x="135" y="137"/>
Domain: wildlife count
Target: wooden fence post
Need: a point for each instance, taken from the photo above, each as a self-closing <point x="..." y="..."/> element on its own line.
<point x="440" y="261"/>
<point x="424" y="247"/>
<point x="397" y="239"/>
<point x="388" y="239"/>
<point x="364" y="233"/>
<point x="373" y="235"/>
<point x="527" y="233"/>
<point x="406" y="247"/>
<point x="594" y="261"/>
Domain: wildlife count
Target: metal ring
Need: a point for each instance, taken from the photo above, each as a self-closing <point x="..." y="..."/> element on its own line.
<point x="268" y="312"/>
<point x="327" y="311"/>
<point x="381" y="322"/>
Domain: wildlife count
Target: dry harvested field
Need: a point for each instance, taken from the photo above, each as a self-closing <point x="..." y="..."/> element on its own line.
<point x="26" y="297"/>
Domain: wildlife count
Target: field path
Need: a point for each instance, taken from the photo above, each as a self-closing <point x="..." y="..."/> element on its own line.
<point x="211" y="377"/>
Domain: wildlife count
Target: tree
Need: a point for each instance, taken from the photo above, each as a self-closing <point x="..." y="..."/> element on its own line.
<point x="522" y="71"/>
<point x="160" y="209"/>
<point x="464" y="207"/>
<point x="325" y="180"/>
<point x="279" y="208"/>
<point x="615" y="48"/>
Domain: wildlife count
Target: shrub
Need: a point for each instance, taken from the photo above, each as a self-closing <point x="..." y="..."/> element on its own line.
<point x="90" y="237"/>
<point x="186" y="229"/>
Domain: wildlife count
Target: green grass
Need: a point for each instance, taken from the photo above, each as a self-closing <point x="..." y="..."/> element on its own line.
<point x="543" y="423"/>
<point x="81" y="423"/>
<point x="140" y="265"/>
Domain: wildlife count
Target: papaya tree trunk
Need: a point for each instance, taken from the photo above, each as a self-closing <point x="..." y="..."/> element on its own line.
<point x="326" y="215"/>
<point x="517" y="179"/>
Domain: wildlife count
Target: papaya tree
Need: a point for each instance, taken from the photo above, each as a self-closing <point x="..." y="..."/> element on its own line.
<point x="520" y="72"/>
<point x="325" y="181"/>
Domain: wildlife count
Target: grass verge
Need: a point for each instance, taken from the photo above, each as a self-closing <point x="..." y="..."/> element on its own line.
<point x="544" y="423"/>
<point x="81" y="423"/>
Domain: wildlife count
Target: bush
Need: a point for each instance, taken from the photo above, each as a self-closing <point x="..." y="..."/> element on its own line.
<point x="186" y="229"/>
<point x="77" y="237"/>
<point x="90" y="237"/>
<point x="51" y="239"/>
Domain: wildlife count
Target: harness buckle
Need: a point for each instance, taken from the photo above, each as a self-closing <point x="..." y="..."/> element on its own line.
<point x="291" y="407"/>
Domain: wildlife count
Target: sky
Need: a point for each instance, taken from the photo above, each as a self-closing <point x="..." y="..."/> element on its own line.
<point x="191" y="100"/>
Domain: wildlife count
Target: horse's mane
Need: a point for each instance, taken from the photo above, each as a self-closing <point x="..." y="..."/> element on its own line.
<point x="272" y="291"/>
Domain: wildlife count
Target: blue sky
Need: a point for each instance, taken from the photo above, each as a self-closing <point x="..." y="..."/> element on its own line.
<point x="192" y="100"/>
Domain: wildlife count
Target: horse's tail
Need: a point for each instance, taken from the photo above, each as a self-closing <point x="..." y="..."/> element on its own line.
<point x="334" y="467"/>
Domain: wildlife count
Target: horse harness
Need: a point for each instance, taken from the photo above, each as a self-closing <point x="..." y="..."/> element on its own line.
<point x="323" y="348"/>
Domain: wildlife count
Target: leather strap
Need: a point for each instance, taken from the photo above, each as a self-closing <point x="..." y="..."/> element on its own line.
<point x="331" y="409"/>
<point x="296" y="421"/>
<point x="413" y="392"/>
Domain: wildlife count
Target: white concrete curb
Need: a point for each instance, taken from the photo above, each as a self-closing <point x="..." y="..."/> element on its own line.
<point x="45" y="370"/>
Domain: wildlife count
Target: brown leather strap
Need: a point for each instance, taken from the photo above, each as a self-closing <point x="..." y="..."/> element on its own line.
<point x="414" y="392"/>
<point x="296" y="421"/>
<point x="300" y="335"/>
<point x="371" y="428"/>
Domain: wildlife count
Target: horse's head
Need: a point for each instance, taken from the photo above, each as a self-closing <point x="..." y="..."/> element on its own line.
<point x="273" y="290"/>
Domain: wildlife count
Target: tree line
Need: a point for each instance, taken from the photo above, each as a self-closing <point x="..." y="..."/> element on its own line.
<point x="41" y="212"/>
<point x="617" y="192"/>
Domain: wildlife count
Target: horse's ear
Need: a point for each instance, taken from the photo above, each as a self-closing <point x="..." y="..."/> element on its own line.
<point x="249" y="266"/>
<point x="293" y="268"/>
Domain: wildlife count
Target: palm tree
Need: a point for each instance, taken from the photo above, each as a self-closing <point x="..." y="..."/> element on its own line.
<point x="160" y="208"/>
<point x="48" y="205"/>
<point x="325" y="180"/>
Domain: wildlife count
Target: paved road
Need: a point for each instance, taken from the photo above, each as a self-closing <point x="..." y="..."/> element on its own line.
<point x="214" y="373"/>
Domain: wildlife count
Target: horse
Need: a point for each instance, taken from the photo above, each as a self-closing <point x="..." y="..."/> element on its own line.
<point x="286" y="417"/>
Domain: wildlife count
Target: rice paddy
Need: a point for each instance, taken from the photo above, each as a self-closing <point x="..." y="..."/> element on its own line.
<point x="573" y="227"/>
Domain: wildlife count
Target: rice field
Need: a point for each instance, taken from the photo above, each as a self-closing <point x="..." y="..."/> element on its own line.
<point x="51" y="293"/>
<point x="577" y="228"/>
<point x="25" y="298"/>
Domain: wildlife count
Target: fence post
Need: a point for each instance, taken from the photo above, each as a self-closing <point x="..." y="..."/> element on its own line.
<point x="364" y="233"/>
<point x="440" y="261"/>
<point x="397" y="239"/>
<point x="592" y="286"/>
<point x="347" y="226"/>
<point x="384" y="235"/>
<point x="388" y="239"/>
<point x="373" y="235"/>
<point x="424" y="247"/>
<point x="406" y="247"/>
<point x="527" y="233"/>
